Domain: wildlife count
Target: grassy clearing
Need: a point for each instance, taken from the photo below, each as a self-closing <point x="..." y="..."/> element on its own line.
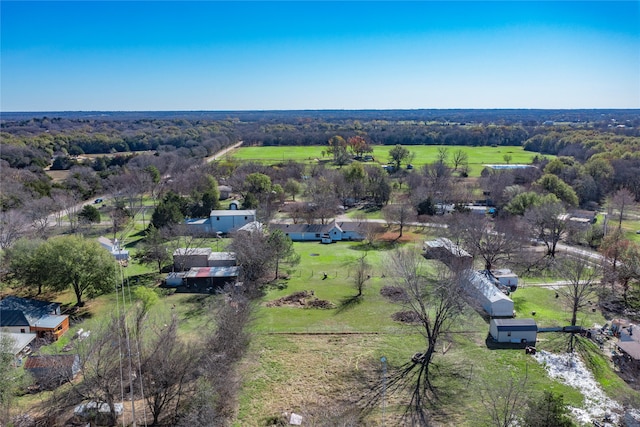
<point x="320" y="362"/>
<point x="424" y="154"/>
<point x="315" y="362"/>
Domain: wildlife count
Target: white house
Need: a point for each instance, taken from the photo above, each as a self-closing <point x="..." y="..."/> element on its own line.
<point x="114" y="248"/>
<point x="353" y="230"/>
<point x="514" y="330"/>
<point x="310" y="232"/>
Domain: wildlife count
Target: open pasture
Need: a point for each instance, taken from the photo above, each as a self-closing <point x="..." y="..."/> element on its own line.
<point x="321" y="361"/>
<point x="424" y="154"/>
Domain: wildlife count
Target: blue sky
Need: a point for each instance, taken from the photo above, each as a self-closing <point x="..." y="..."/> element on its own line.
<point x="208" y="55"/>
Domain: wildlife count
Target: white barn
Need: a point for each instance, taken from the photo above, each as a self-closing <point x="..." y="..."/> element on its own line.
<point x="514" y="330"/>
<point x="491" y="299"/>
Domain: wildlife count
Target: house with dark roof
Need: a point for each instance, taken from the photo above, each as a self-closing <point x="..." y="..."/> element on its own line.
<point x="514" y="330"/>
<point x="23" y="315"/>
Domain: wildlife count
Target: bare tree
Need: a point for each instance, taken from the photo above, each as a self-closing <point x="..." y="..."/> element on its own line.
<point x="39" y="214"/>
<point x="504" y="400"/>
<point x="620" y="201"/>
<point x="400" y="214"/>
<point x="362" y="273"/>
<point x="102" y="358"/>
<point x="69" y="207"/>
<point x="547" y="222"/>
<point x="435" y="300"/>
<point x="581" y="280"/>
<point x="459" y="159"/>
<point x="255" y="258"/>
<point x="12" y="227"/>
<point x="168" y="365"/>
<point x="495" y="241"/>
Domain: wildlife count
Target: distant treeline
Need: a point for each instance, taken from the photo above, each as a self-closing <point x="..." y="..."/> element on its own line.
<point x="34" y="141"/>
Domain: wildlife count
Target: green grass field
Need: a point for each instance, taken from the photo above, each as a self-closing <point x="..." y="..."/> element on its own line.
<point x="320" y="361"/>
<point x="308" y="357"/>
<point x="424" y="154"/>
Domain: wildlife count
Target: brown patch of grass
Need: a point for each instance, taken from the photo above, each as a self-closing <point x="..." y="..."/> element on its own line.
<point x="310" y="375"/>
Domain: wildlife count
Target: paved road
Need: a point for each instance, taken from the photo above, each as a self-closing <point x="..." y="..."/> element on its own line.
<point x="52" y="217"/>
<point x="221" y="153"/>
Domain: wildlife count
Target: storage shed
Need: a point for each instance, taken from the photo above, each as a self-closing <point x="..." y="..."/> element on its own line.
<point x="514" y="330"/>
<point x="186" y="258"/>
<point x="506" y="278"/>
<point x="491" y="299"/>
<point x="449" y="253"/>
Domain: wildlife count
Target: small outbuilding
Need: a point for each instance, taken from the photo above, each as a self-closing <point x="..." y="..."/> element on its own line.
<point x="482" y="292"/>
<point x="53" y="370"/>
<point x="523" y="331"/>
<point x="449" y="253"/>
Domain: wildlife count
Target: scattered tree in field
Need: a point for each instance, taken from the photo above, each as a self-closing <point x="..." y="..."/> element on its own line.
<point x="324" y="203"/>
<point x="39" y="215"/>
<point x="548" y="411"/>
<point x="460" y="159"/>
<point x="12" y="227"/>
<point x="521" y="202"/>
<point x="377" y="186"/>
<point x="170" y="211"/>
<point x="254" y="257"/>
<point x="153" y="250"/>
<point x="204" y="198"/>
<point x="547" y="222"/>
<point x="620" y="201"/>
<point x="435" y="301"/>
<point x="338" y="148"/>
<point x="504" y="401"/>
<point x="102" y="357"/>
<point x="507" y="158"/>
<point x="282" y="250"/>
<point x="13" y="380"/>
<point x="426" y="207"/>
<point x="361" y="274"/>
<point x="629" y="270"/>
<point x="292" y="187"/>
<point x="167" y="368"/>
<point x="399" y="214"/>
<point x="443" y="155"/>
<point x="554" y="185"/>
<point x="399" y="155"/>
<point x="494" y="241"/>
<point x="580" y="289"/>
<point x="358" y="145"/>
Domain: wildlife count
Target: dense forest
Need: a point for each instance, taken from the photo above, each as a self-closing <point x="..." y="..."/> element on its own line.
<point x="30" y="143"/>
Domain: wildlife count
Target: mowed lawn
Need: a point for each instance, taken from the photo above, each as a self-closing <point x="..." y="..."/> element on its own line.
<point x="424" y="154"/>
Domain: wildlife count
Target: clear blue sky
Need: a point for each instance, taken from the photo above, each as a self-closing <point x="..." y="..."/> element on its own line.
<point x="208" y="55"/>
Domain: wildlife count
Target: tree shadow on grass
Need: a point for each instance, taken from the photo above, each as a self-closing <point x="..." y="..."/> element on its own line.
<point x="348" y="303"/>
